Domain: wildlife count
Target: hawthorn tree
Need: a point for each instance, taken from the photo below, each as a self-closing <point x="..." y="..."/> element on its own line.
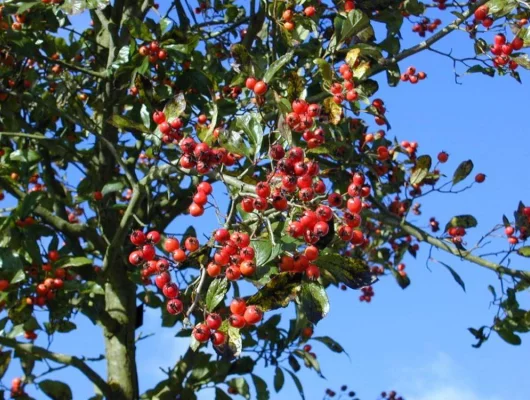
<point x="110" y="132"/>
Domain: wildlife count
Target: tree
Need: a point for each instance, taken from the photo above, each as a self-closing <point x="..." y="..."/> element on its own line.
<point x="178" y="111"/>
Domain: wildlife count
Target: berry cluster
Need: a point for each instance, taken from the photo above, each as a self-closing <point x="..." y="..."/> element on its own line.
<point x="153" y="51"/>
<point x="235" y="254"/>
<point x="502" y="50"/>
<point x="289" y="14"/>
<point x="481" y="15"/>
<point x="258" y="87"/>
<point x="411" y="76"/>
<point x="425" y="25"/>
<point x="346" y="90"/>
<point x="204" y="189"/>
<point x="17" y="388"/>
<point x="331" y="393"/>
<point x="368" y="293"/>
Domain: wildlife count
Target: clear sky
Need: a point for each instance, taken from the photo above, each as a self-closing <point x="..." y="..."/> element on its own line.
<point x="414" y="340"/>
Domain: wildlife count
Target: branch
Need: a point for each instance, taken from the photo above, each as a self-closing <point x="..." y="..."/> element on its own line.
<point x="183" y="18"/>
<point x="64" y="359"/>
<point x="74" y="230"/>
<point x="436" y="37"/>
<point x="99" y="75"/>
<point x="255" y="25"/>
<point x="392" y="220"/>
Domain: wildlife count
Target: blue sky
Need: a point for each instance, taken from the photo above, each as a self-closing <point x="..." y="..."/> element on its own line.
<point x="415" y="341"/>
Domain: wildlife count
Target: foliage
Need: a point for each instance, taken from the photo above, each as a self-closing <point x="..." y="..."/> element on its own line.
<point x="274" y="104"/>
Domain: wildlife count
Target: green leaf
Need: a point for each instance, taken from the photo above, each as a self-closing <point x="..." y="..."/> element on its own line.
<point x="278" y="292"/>
<point x="462" y="171"/>
<point x="216" y="293"/>
<point x="194" y="343"/>
<point x="122" y="57"/>
<point x="19" y="276"/>
<point x="73" y="262"/>
<point x="336" y="269"/>
<point x="127" y="124"/>
<point x="500" y="8"/>
<point x="464" y="221"/>
<point x="277" y="66"/>
<point x="330" y="343"/>
<point x="297" y="383"/>
<point x="522" y="60"/>
<point x="241" y="386"/>
<point x="112" y="187"/>
<point x="483" y="70"/>
<point x="524" y="251"/>
<point x="508" y="336"/>
<point x="175" y="107"/>
<point x="421" y="169"/>
<point x="24" y="156"/>
<point x="5" y="359"/>
<point x="355" y="22"/>
<point x="66" y="326"/>
<point x="265" y="251"/>
<point x="325" y="71"/>
<point x="261" y="388"/>
<point x="403" y="281"/>
<point x="393" y="74"/>
<point x="456" y="277"/>
<point x="138" y="29"/>
<point x="250" y="123"/>
<point x="414" y="7"/>
<point x="279" y="379"/>
<point x="9" y="260"/>
<point x="56" y="390"/>
<point x="29" y="203"/>
<point x="309" y="361"/>
<point x="221" y="395"/>
<point x="293" y="362"/>
<point x="314" y="301"/>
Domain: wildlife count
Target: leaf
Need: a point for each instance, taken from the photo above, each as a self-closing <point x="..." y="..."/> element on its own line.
<point x="122" y="58"/>
<point x="56" y="390"/>
<point x="421" y="169"/>
<point x="352" y="57"/>
<point x="216" y="293"/>
<point x="19" y="276"/>
<point x="330" y="343"/>
<point x="462" y="171"/>
<point x="325" y="71"/>
<point x="278" y="292"/>
<point x="9" y="260"/>
<point x="127" y="124"/>
<point x="194" y="343"/>
<point x="456" y="277"/>
<point x="24" y="156"/>
<point x="262" y="391"/>
<point x="393" y="74"/>
<point x="298" y="384"/>
<point x="221" y="395"/>
<point x="403" y="281"/>
<point x="276" y="66"/>
<point x="314" y="301"/>
<point x="483" y="70"/>
<point x="414" y="7"/>
<point x="73" y="262"/>
<point x="66" y="326"/>
<point x="241" y="386"/>
<point x="508" y="336"/>
<point x="332" y="110"/>
<point x="29" y="203"/>
<point x="174" y="108"/>
<point x="265" y="251"/>
<point x="309" y="361"/>
<point x="138" y="29"/>
<point x="112" y="187"/>
<point x="463" y="221"/>
<point x="355" y="22"/>
<point x="279" y="379"/>
<point x="524" y="251"/>
<point x="5" y="359"/>
<point x="522" y="60"/>
<point x="353" y="272"/>
<point x="293" y="362"/>
<point x="250" y="123"/>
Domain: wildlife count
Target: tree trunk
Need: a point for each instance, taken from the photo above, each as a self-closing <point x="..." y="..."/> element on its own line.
<point x="120" y="299"/>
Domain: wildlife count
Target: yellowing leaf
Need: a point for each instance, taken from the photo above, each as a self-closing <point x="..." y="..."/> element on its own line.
<point x="352" y="56"/>
<point x="333" y="111"/>
<point x="361" y="71"/>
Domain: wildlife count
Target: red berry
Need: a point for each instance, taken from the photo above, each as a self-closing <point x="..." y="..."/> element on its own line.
<point x="205" y="187"/>
<point x="171" y="290"/>
<point x="159" y="117"/>
<point x="201" y="333"/>
<point x="260" y="88"/>
<point x="250" y="83"/>
<point x="253" y="315"/>
<point x="238" y="306"/>
<point x="214" y="321"/>
<point x="162" y="279"/>
<point x="237" y="321"/>
<point x="171" y="244"/>
<point x="479" y="178"/>
<point x="137" y="238"/>
<point x="153" y="237"/>
<point x="218" y="338"/>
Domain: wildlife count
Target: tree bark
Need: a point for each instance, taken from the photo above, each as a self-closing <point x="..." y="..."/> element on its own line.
<point x="120" y="303"/>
